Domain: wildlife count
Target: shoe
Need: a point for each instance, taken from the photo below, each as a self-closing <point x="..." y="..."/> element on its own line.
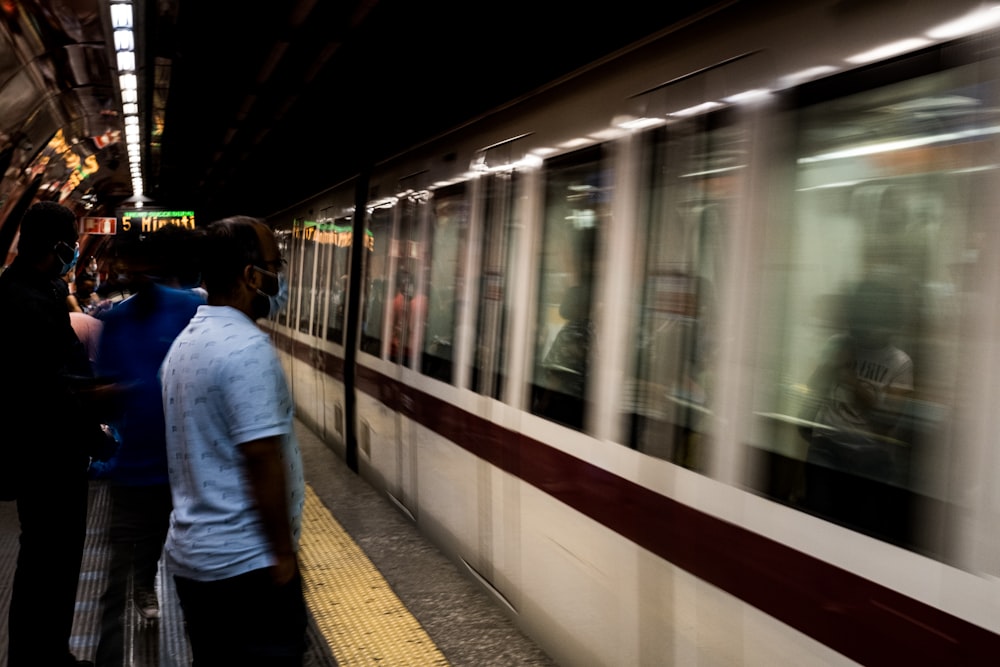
<point x="147" y="605"/>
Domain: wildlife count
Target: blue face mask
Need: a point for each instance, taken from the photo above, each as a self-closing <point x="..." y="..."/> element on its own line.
<point x="279" y="300"/>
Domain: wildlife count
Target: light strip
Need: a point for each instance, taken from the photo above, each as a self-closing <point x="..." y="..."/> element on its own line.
<point x="900" y="144"/>
<point x="888" y="50"/>
<point x="980" y="19"/>
<point x="124" y="40"/>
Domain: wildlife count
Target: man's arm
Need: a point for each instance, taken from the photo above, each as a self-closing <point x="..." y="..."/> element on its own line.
<point x="268" y="488"/>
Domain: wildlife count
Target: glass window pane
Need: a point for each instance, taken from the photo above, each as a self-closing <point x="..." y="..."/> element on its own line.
<point x="489" y="363"/>
<point x="336" y="237"/>
<point x="692" y="169"/>
<point x="284" y="238"/>
<point x="865" y="342"/>
<point x="376" y="279"/>
<point x="309" y="268"/>
<point x="446" y="239"/>
<point x="576" y="206"/>
<point x="409" y="303"/>
<point x="297" y="269"/>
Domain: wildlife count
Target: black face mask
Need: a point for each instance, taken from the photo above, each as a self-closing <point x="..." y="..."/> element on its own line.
<point x="260" y="307"/>
<point x="261" y="304"/>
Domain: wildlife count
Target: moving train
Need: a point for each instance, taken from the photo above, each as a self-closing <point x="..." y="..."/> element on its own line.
<point x="690" y="357"/>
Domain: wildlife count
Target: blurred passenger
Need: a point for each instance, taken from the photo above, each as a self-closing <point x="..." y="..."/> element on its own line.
<point x="235" y="468"/>
<point x="86" y="297"/>
<point x="408" y="308"/>
<point x="565" y="367"/>
<point x="65" y="287"/>
<point x="48" y="433"/>
<point x="137" y="334"/>
<point x="118" y="286"/>
<point x="861" y="386"/>
<point x="371" y="329"/>
<point x="88" y="330"/>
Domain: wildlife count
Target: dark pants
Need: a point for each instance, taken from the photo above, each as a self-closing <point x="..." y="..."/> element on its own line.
<point x="52" y="509"/>
<point x="245" y="620"/>
<point x="140" y="516"/>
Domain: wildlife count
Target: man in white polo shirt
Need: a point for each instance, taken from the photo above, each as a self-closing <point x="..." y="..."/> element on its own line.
<point x="235" y="469"/>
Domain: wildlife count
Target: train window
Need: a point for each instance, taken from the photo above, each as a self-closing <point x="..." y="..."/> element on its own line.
<point x="863" y="334"/>
<point x="284" y="238"/>
<point x="310" y="280"/>
<point x="409" y="301"/>
<point x="296" y="268"/>
<point x="337" y="238"/>
<point x="576" y="208"/>
<point x="494" y="296"/>
<point x="376" y="281"/>
<point x="446" y="239"/>
<point x="691" y="172"/>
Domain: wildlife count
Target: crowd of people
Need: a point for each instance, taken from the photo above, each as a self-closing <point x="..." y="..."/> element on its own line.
<point x="168" y="392"/>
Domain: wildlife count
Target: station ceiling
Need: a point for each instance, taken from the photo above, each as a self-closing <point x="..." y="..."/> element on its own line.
<point x="251" y="108"/>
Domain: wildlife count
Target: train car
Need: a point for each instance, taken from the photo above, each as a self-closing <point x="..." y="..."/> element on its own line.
<point x="689" y="357"/>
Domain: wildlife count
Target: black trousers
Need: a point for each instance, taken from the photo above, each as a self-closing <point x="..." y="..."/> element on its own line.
<point x="245" y="620"/>
<point x="52" y="509"/>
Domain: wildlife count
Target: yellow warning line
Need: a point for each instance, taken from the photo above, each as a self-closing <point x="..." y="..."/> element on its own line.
<point x="363" y="621"/>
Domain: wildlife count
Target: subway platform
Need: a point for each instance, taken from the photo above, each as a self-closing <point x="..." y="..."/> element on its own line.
<point x="378" y="592"/>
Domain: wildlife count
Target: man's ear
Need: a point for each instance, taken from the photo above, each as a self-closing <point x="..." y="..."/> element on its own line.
<point x="251" y="276"/>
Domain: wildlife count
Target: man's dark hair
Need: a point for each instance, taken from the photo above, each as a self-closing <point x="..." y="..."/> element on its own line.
<point x="45" y="224"/>
<point x="229" y="245"/>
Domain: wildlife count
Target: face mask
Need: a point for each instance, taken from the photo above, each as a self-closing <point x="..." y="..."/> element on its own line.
<point x="278" y="300"/>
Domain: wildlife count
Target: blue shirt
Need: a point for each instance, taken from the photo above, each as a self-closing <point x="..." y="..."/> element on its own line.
<point x="223" y="385"/>
<point x="135" y="337"/>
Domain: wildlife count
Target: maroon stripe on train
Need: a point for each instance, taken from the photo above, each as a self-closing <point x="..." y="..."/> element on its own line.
<point x="859" y="618"/>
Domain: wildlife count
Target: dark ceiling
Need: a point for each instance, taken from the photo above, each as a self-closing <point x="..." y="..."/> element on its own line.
<point x="268" y="104"/>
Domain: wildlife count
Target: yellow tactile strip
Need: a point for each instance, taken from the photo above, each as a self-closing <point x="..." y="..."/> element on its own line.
<point x="363" y="621"/>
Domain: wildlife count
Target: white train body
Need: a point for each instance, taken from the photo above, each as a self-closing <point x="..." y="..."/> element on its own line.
<point x="590" y="321"/>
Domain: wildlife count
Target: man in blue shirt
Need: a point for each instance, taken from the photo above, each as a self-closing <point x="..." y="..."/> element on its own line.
<point x="135" y="338"/>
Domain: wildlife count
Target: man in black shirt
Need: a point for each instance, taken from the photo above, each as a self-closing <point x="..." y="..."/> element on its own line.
<point x="47" y="433"/>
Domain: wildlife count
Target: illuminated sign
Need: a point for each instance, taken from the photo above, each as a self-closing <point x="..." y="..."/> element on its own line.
<point x="149" y="221"/>
<point x="90" y="225"/>
<point x="326" y="233"/>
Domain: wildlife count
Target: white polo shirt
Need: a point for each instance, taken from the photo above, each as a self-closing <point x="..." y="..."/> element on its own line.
<point x="223" y="385"/>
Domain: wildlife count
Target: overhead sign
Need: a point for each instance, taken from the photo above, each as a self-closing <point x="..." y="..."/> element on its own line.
<point x="92" y="225"/>
<point x="149" y="221"/>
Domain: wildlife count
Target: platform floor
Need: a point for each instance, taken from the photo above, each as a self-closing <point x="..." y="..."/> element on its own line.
<point x="379" y="593"/>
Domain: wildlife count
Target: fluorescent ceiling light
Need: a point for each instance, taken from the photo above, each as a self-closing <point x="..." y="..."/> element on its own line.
<point x="126" y="61"/>
<point x="747" y="96"/>
<point x="696" y="109"/>
<point x="808" y="74"/>
<point x="976" y="21"/>
<point x="575" y="143"/>
<point x="124" y="40"/>
<point x="900" y="144"/>
<point x="640" y="123"/>
<point x="609" y="134"/>
<point x="121" y="15"/>
<point x="888" y="50"/>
